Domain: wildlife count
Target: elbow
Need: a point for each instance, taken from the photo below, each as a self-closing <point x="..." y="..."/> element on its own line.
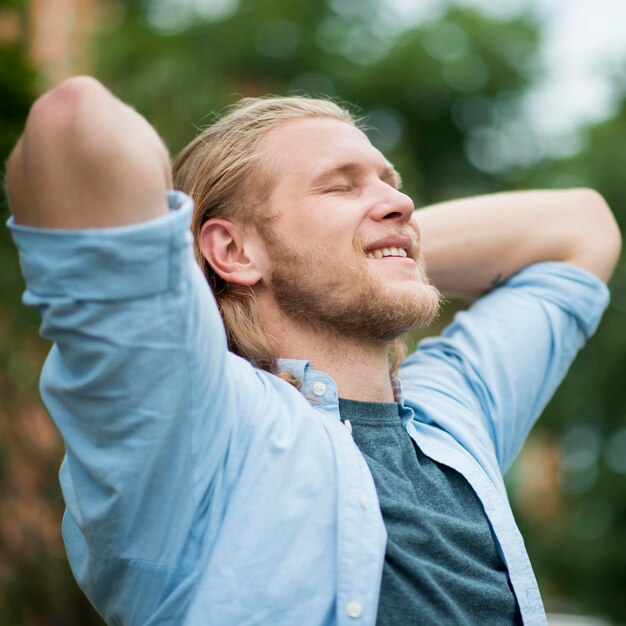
<point x="53" y="132"/>
<point x="64" y="104"/>
<point x="599" y="241"/>
<point x="60" y="116"/>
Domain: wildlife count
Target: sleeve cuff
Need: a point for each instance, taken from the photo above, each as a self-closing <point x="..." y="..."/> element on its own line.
<point x="124" y="262"/>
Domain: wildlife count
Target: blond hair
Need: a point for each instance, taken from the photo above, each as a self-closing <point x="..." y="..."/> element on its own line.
<point x="225" y="171"/>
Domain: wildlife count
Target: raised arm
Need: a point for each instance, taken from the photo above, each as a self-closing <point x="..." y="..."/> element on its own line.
<point x="475" y="244"/>
<point x="80" y="144"/>
<point x="499" y="362"/>
<point x="139" y="381"/>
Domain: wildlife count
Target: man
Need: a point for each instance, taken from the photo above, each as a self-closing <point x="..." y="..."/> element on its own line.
<point x="296" y="485"/>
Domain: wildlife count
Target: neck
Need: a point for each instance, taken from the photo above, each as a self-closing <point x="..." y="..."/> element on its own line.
<point x="360" y="369"/>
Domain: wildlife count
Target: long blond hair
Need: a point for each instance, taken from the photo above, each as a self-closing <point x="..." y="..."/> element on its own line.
<point x="224" y="170"/>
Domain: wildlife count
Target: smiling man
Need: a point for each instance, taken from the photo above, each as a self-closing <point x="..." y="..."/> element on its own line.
<point x="241" y="455"/>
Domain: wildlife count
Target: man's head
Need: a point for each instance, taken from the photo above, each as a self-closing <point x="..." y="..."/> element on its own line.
<point x="331" y="237"/>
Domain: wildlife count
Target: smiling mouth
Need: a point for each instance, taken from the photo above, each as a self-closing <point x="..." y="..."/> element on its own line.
<point x="391" y="251"/>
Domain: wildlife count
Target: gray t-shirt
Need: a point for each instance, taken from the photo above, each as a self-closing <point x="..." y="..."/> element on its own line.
<point x="441" y="562"/>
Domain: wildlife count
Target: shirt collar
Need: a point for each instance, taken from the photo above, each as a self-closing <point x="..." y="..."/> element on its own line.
<point x="321" y="390"/>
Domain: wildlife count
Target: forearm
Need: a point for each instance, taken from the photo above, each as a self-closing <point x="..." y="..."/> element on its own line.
<point x="86" y="160"/>
<point x="474" y="244"/>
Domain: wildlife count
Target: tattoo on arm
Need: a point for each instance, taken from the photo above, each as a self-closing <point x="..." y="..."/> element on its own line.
<point x="498" y="281"/>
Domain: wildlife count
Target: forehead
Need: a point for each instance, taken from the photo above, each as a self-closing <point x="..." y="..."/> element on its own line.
<point x="301" y="149"/>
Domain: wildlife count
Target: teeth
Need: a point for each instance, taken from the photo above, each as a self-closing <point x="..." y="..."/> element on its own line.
<point x="379" y="253"/>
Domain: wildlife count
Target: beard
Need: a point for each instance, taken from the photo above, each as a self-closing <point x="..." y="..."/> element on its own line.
<point x="318" y="291"/>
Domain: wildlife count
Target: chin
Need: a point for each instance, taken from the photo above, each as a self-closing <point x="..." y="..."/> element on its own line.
<point x="417" y="302"/>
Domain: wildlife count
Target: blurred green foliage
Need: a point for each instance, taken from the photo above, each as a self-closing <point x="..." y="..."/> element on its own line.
<point x="431" y="94"/>
<point x="36" y="586"/>
<point x="17" y="90"/>
<point x="583" y="554"/>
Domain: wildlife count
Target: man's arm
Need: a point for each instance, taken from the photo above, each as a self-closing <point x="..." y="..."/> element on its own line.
<point x="476" y="244"/>
<point x="86" y="160"/>
<point x="500" y="362"/>
<point x="139" y="381"/>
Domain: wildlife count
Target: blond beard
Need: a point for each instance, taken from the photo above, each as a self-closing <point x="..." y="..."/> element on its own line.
<point x="347" y="300"/>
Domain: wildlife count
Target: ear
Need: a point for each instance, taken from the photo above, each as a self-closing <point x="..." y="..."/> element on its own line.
<point x="235" y="254"/>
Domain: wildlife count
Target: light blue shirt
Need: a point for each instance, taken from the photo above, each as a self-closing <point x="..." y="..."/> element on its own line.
<point x="201" y="490"/>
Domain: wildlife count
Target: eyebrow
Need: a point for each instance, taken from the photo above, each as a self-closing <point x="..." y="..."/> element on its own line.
<point x="388" y="173"/>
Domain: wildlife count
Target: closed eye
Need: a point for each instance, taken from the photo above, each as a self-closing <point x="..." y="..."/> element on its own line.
<point x="341" y="189"/>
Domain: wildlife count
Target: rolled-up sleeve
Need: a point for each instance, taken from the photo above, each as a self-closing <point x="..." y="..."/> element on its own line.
<point x="137" y="383"/>
<point x="491" y="373"/>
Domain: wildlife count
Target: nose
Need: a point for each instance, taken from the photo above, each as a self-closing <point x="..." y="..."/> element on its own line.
<point x="392" y="205"/>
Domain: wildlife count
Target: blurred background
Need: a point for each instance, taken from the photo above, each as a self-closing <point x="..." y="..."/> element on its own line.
<point x="465" y="97"/>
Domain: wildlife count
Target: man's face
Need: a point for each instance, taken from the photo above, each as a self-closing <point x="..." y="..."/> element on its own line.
<point x="344" y="244"/>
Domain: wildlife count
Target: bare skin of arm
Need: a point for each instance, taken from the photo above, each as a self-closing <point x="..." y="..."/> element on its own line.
<point x="473" y="245"/>
<point x="86" y="160"/>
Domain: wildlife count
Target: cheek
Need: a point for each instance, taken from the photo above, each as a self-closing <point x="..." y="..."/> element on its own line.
<point x="318" y="226"/>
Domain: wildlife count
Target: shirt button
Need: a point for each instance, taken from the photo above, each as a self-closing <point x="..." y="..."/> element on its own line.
<point x="319" y="388"/>
<point x="354" y="609"/>
<point x="364" y="501"/>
